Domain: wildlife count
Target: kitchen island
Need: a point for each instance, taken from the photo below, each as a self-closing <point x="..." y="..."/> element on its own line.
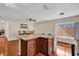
<point x="29" y="45"/>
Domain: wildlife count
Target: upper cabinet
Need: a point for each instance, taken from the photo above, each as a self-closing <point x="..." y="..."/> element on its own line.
<point x="66" y="30"/>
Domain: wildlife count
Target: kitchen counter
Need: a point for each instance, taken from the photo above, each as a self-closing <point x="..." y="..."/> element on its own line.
<point x="3" y="37"/>
<point x="29" y="37"/>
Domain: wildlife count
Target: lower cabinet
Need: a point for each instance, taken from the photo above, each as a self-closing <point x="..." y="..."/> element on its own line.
<point x="17" y="48"/>
<point x="23" y="47"/>
<point x="13" y="48"/>
<point x="43" y="44"/>
<point x="31" y="47"/>
<point x="3" y="46"/>
<point x="50" y="46"/>
<point x="64" y="49"/>
<point x="46" y="46"/>
<point x="40" y="44"/>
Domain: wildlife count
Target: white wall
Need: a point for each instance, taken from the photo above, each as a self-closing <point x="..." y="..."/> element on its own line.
<point x="44" y="27"/>
<point x="49" y="26"/>
<point x="13" y="26"/>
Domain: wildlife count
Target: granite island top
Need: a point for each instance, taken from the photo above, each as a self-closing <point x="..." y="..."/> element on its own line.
<point x="29" y="37"/>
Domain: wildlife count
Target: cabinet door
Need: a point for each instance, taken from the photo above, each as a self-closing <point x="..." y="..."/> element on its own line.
<point x="60" y="49"/>
<point x="44" y="45"/>
<point x="68" y="51"/>
<point x="50" y="47"/>
<point x="3" y="46"/>
<point x="31" y="47"/>
<point x="23" y="48"/>
<point x="64" y="49"/>
<point x="37" y="45"/>
<point x="13" y="48"/>
<point x="41" y="44"/>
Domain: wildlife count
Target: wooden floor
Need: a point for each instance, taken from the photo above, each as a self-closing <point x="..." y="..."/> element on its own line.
<point x="41" y="54"/>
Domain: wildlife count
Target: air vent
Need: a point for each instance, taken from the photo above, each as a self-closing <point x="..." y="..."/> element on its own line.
<point x="45" y="7"/>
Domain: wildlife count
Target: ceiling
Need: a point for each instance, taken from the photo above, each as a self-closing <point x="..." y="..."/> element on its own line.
<point x="38" y="11"/>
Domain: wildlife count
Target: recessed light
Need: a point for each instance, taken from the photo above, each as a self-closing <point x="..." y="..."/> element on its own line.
<point x="1" y="21"/>
<point x="45" y="7"/>
<point x="7" y="4"/>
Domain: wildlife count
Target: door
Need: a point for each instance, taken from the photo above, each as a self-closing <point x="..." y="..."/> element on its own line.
<point x="31" y="47"/>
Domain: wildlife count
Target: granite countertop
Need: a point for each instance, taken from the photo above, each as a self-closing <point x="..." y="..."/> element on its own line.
<point x="25" y="37"/>
<point x="29" y="37"/>
<point x="2" y="36"/>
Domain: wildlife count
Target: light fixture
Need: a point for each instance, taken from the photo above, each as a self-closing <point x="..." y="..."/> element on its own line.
<point x="33" y="20"/>
<point x="6" y="4"/>
<point x="61" y="13"/>
<point x="1" y="21"/>
<point x="45" y="7"/>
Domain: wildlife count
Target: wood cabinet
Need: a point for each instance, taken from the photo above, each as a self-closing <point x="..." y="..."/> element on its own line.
<point x="50" y="46"/>
<point x="40" y="44"/>
<point x="31" y="47"/>
<point x="37" y="45"/>
<point x="64" y="49"/>
<point x="46" y="45"/>
<point x="17" y="48"/>
<point x="3" y="46"/>
<point x="43" y="44"/>
<point x="23" y="47"/>
<point x="13" y="48"/>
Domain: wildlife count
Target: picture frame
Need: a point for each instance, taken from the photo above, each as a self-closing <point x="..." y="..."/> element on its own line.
<point x="23" y="25"/>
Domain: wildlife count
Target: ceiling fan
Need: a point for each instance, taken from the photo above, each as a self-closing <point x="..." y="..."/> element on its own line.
<point x="32" y="20"/>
